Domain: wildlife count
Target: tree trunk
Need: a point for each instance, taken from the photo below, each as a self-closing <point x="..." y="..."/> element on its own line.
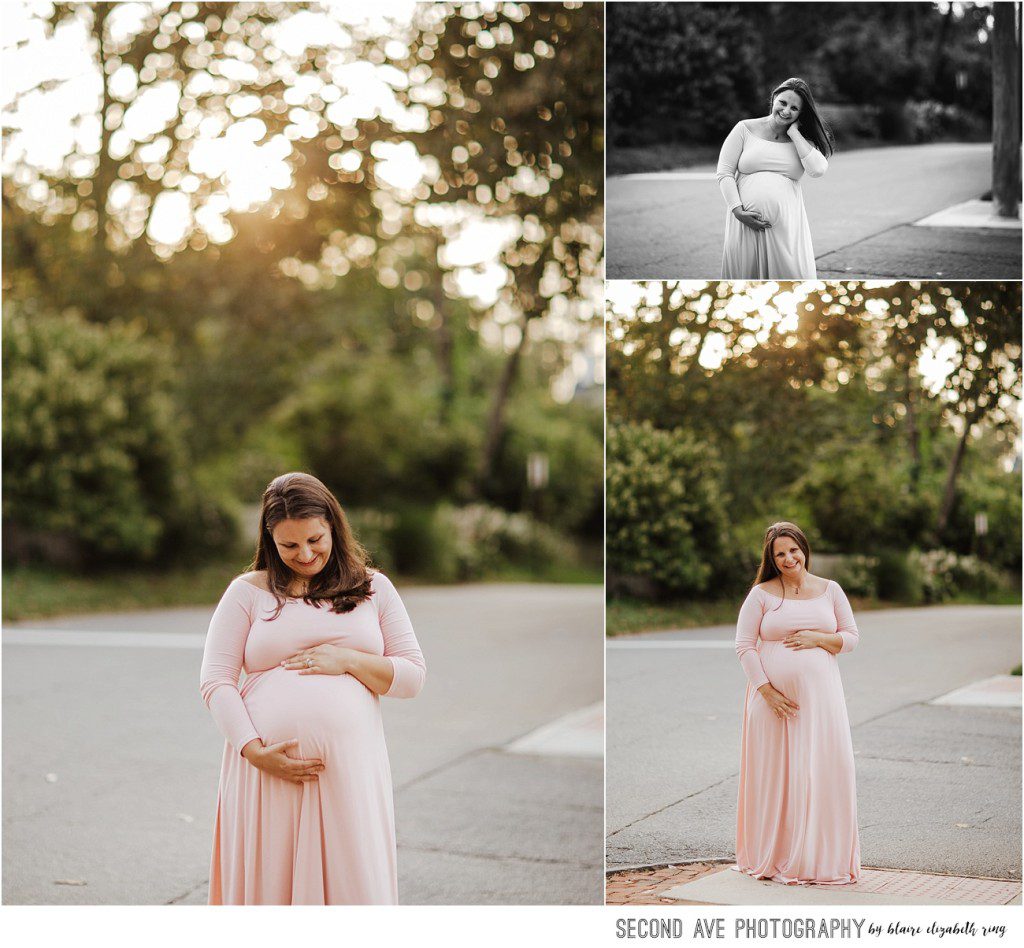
<point x="939" y="55"/>
<point x="949" y="492"/>
<point x="445" y="339"/>
<point x="106" y="173"/>
<point x="496" y="420"/>
<point x="913" y="433"/>
<point x="1006" y="103"/>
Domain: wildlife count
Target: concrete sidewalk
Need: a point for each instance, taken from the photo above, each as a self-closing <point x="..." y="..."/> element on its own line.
<point x="670" y="226"/>
<point x="111" y="761"/>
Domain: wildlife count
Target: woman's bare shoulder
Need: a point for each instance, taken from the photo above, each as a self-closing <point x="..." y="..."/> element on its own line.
<point x="773" y="586"/>
<point x="820" y="584"/>
<point x="257" y="578"/>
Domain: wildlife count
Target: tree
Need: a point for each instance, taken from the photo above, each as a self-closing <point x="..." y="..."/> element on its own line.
<point x="687" y="72"/>
<point x="521" y="137"/>
<point x="499" y="106"/>
<point x="803" y="390"/>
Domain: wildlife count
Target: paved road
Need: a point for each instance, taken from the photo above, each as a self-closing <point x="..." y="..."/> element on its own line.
<point x="670" y="226"/>
<point x="133" y="756"/>
<point x="938" y="787"/>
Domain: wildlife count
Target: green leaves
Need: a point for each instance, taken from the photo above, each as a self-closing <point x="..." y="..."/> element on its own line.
<point x="94" y="469"/>
<point x="666" y="521"/>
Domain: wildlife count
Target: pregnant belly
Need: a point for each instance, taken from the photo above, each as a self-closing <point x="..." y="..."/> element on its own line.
<point x="797" y="673"/>
<point x="330" y="715"/>
<point x="768" y="192"/>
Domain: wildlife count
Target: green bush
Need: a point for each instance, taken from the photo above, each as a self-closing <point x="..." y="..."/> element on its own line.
<point x="931" y="121"/>
<point x="856" y="502"/>
<point x="666" y="516"/>
<point x="263" y="453"/>
<point x="899" y="577"/>
<point x="93" y="462"/>
<point x="448" y="544"/>
<point x="999" y="497"/>
<point x="420" y="544"/>
<point x="945" y="575"/>
<point x="373" y="529"/>
<point x="371" y="428"/>
<point x="488" y="538"/>
<point x="571" y="438"/>
<point x="858" y="575"/>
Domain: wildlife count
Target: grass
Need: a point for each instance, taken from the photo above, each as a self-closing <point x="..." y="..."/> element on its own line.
<point x="588" y="573"/>
<point x="630" y="615"/>
<point x="998" y="597"/>
<point x="626" y="616"/>
<point x="35" y="593"/>
<point x="662" y="157"/>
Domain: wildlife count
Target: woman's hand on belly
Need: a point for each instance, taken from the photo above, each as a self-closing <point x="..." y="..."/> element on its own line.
<point x="831" y="642"/>
<point x="782" y="706"/>
<point x="755" y="220"/>
<point x="375" y="672"/>
<point x="803" y="639"/>
<point x="321" y="660"/>
<point x="274" y="760"/>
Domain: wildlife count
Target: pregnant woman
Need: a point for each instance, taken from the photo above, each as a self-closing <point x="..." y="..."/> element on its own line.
<point x="304" y="809"/>
<point x="759" y="172"/>
<point x="797" y="810"/>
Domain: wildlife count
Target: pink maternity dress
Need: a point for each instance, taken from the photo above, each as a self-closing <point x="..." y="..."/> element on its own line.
<point x="765" y="176"/>
<point x="797" y="809"/>
<point x="329" y="842"/>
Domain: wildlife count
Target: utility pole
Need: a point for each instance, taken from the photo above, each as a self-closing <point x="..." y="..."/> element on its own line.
<point x="1006" y="103"/>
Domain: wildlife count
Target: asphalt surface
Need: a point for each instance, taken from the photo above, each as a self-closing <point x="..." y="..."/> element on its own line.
<point x="671" y="226"/>
<point x="938" y="788"/>
<point x="111" y="761"/>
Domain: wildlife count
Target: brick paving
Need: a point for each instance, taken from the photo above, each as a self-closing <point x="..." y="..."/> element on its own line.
<point x="642" y="886"/>
<point x="650" y="886"/>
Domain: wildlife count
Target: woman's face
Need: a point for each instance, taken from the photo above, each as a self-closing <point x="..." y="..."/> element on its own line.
<point x="786" y="107"/>
<point x="303" y="545"/>
<point x="789" y="558"/>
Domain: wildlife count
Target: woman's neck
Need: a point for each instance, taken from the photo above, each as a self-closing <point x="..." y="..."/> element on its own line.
<point x="778" y="132"/>
<point x="794" y="585"/>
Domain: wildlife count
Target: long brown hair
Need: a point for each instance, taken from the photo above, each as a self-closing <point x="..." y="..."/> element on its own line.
<point x="345" y="579"/>
<point x="812" y="126"/>
<point x="768" y="570"/>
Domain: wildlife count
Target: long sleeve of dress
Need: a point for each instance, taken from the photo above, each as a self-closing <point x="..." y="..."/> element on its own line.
<point x="400" y="645"/>
<point x="728" y="161"/>
<point x="747" y="630"/>
<point x="814" y="162"/>
<point x="222" y="665"/>
<point x="847" y="626"/>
